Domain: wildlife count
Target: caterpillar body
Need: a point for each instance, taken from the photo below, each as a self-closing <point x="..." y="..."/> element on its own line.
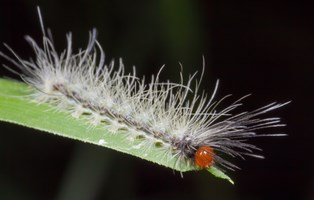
<point x="191" y="130"/>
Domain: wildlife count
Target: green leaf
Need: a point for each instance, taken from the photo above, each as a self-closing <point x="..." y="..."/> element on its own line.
<point x="15" y="107"/>
<point x="218" y="173"/>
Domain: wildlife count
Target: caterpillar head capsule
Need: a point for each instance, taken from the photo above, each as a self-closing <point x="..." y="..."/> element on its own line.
<point x="204" y="157"/>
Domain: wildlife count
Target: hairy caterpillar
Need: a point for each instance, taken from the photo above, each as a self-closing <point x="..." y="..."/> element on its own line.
<point x="192" y="130"/>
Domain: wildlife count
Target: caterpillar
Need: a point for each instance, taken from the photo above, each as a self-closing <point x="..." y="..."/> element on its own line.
<point x="176" y="117"/>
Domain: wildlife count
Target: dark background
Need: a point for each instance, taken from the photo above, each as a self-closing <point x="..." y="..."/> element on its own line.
<point x="259" y="47"/>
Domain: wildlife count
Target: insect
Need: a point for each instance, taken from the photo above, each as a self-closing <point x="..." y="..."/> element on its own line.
<point x="185" y="123"/>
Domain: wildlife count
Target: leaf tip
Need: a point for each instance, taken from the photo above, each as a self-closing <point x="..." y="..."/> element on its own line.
<point x="219" y="174"/>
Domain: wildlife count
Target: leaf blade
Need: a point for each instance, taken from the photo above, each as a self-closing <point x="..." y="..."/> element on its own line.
<point x="16" y="108"/>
